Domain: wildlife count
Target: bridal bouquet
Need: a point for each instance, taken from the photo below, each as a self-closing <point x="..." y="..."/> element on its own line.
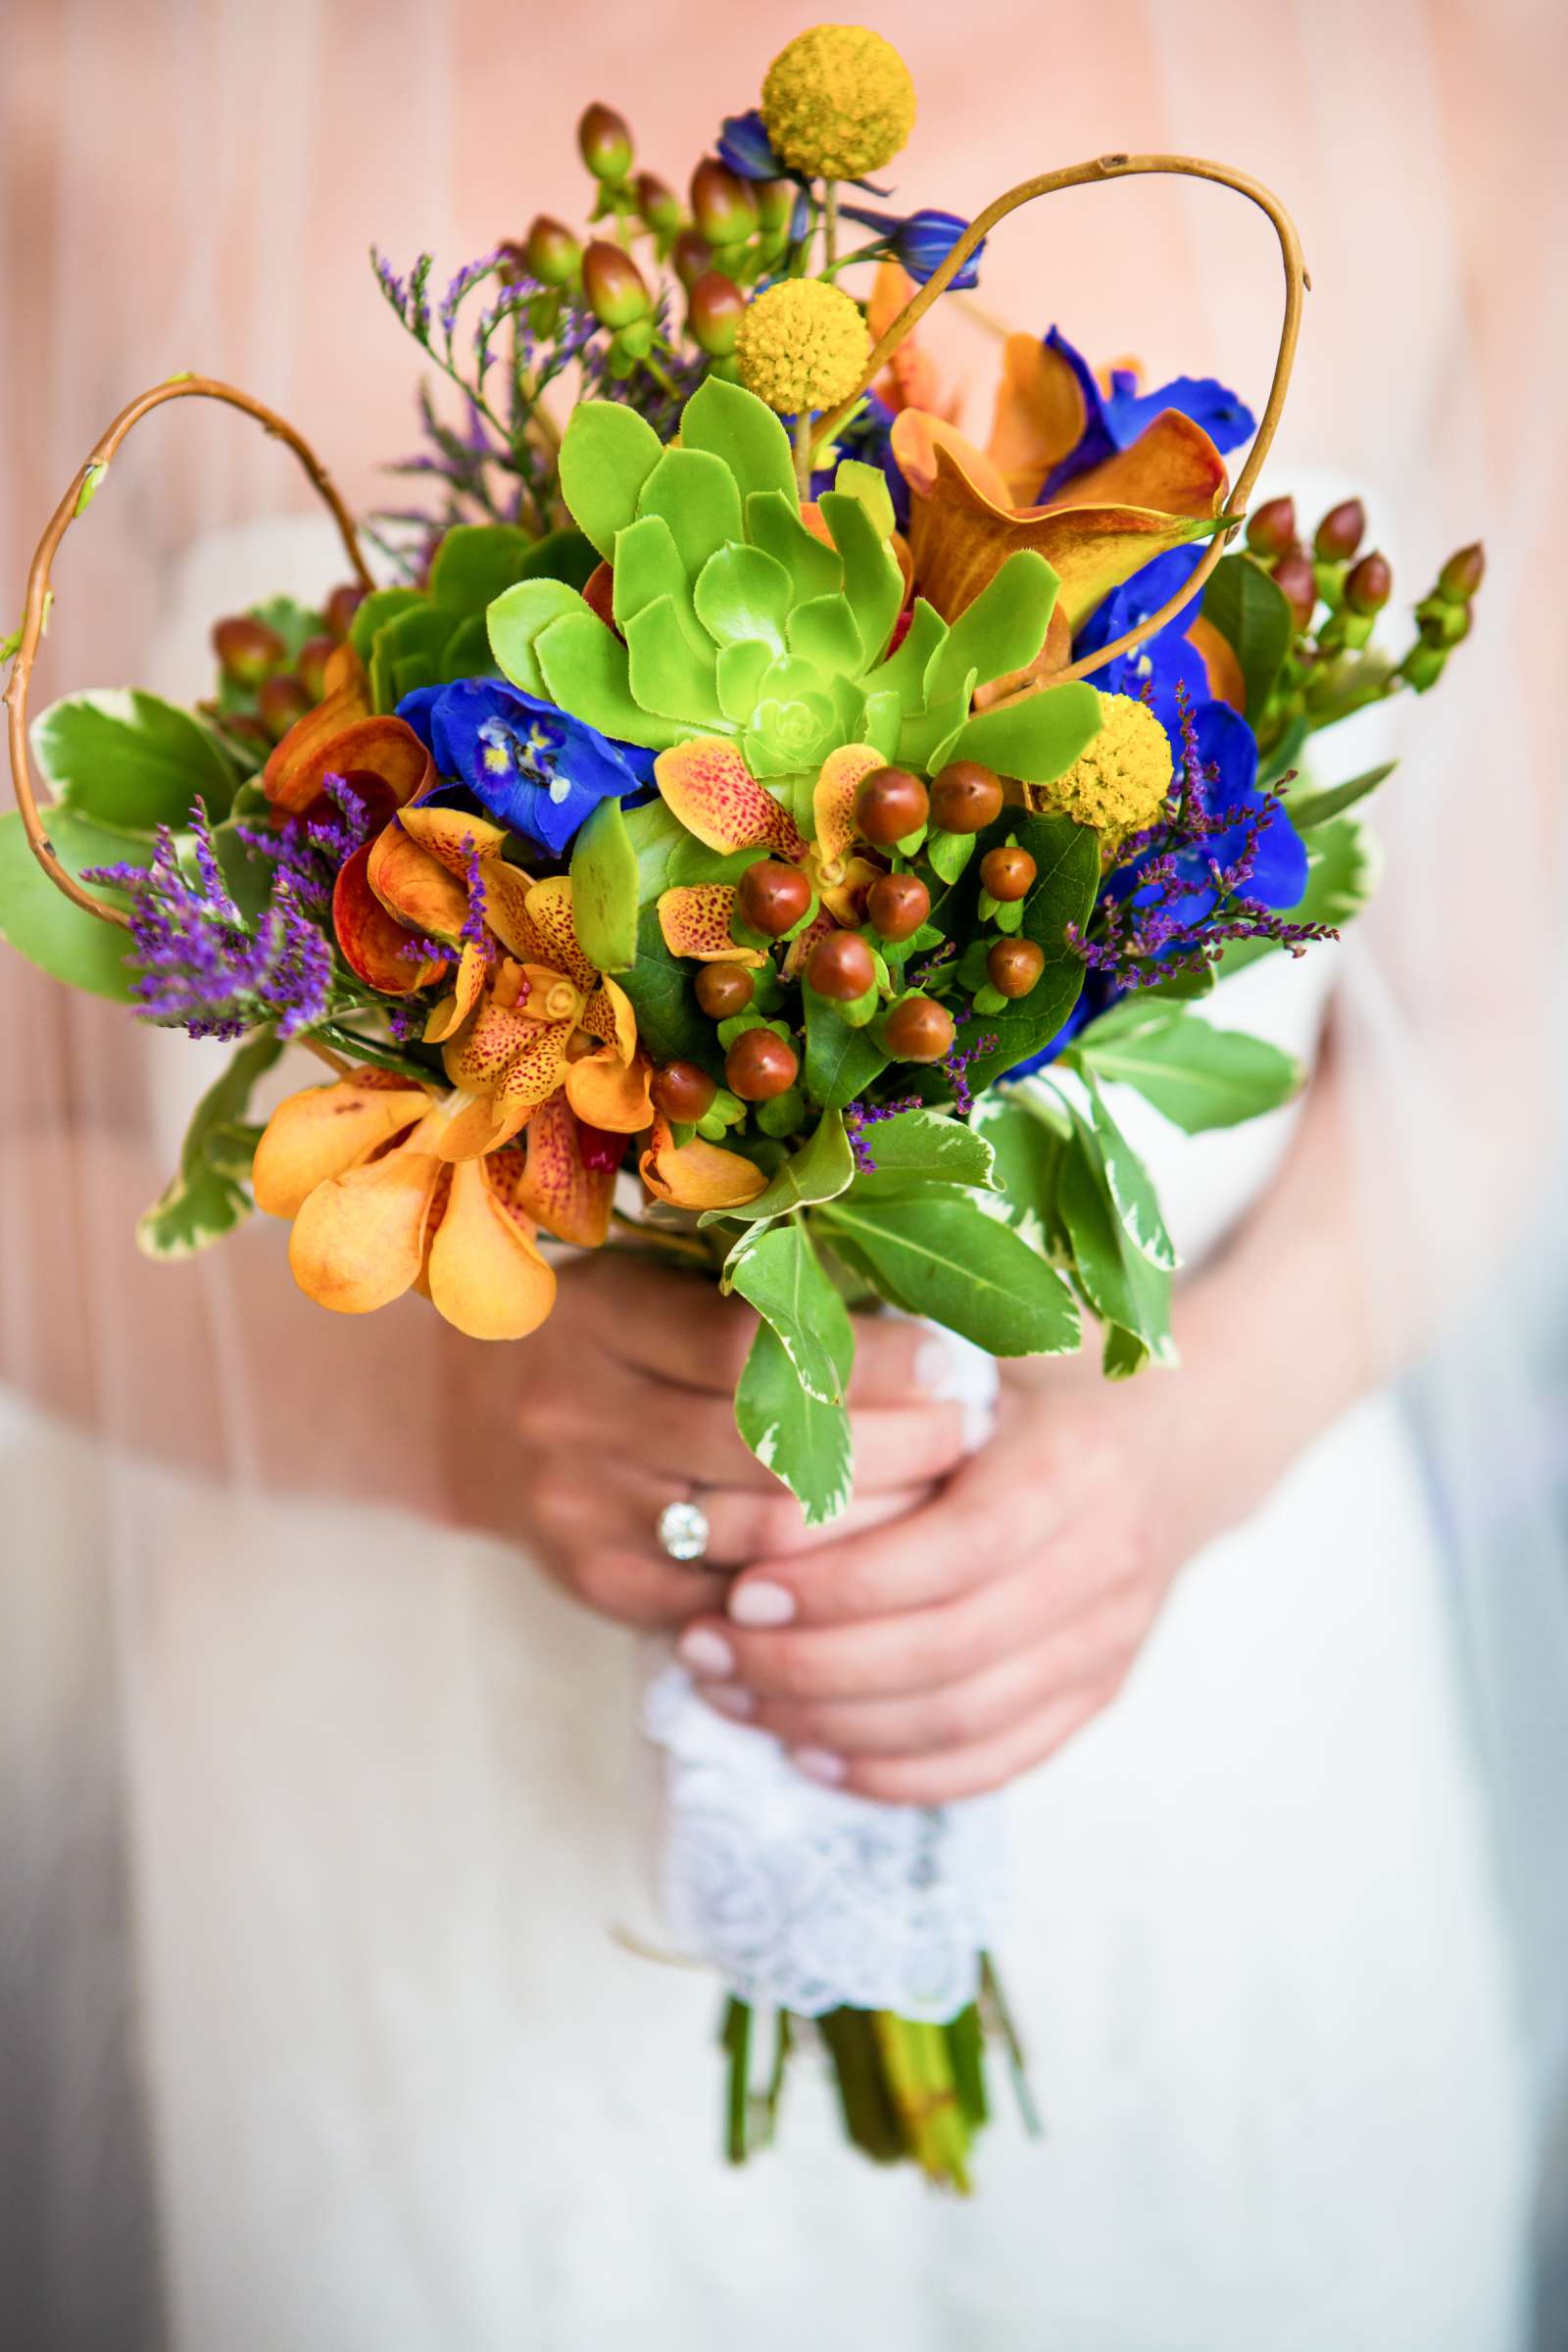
<point x="744" y="819"/>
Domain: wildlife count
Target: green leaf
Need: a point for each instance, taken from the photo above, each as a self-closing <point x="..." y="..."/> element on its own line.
<point x="696" y="496"/>
<point x="647" y="568"/>
<point x="1252" y="615"/>
<point x="477" y="561"/>
<point x="904" y="672"/>
<point x="841" y="1061"/>
<point x="586" y="671"/>
<point x="1067" y="856"/>
<point x="782" y="1276"/>
<point x="409" y="651"/>
<point x="1131" y="1186"/>
<point x="210" y="1195"/>
<point x="873" y="584"/>
<point x="41" y="923"/>
<point x="607" y="454"/>
<point x="870" y="484"/>
<point x="931" y="1145"/>
<point x="1197" y="1075"/>
<point x="773" y="523"/>
<point x="940" y="1255"/>
<point x="1309" y="808"/>
<point x="130" y="759"/>
<point x="669" y="1022"/>
<point x="743" y="596"/>
<point x="741" y="671"/>
<point x="819" y="1170"/>
<point x="603" y="890"/>
<point x="667" y="675"/>
<point x="804" y="1443"/>
<point x="517" y="622"/>
<point x="735" y="426"/>
<point x="1037" y="739"/>
<point x="293" y="621"/>
<point x="823" y="634"/>
<point x="1003" y="629"/>
<point x="1027" y="1150"/>
<point x="948" y="852"/>
<point x="378" y="609"/>
<point x="1124" y="1289"/>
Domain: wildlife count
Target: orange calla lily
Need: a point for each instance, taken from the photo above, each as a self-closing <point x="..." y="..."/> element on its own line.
<point x="1107" y="523"/>
<point x="708" y="785"/>
<point x="378" y="1210"/>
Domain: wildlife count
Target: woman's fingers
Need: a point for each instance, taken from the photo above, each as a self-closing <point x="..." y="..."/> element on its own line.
<point x="959" y="1772"/>
<point x="743" y="1523"/>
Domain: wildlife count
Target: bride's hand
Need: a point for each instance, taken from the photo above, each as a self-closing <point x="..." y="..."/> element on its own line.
<point x="946" y="1655"/>
<point x="624" y="1403"/>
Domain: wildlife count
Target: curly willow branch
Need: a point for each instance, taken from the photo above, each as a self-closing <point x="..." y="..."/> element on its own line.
<point x="1076" y="176"/>
<point x="89" y="476"/>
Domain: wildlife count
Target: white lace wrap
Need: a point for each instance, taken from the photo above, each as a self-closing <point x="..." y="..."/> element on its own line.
<point x="802" y="1896"/>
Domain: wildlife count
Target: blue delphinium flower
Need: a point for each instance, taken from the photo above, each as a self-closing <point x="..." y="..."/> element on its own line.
<point x="1113" y="422"/>
<point x="744" y="147"/>
<point x="1163" y="663"/>
<point x="921" y="241"/>
<point x="535" y="769"/>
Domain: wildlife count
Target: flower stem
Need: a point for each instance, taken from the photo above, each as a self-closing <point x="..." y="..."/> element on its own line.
<point x="830" y="222"/>
<point x="803" y="454"/>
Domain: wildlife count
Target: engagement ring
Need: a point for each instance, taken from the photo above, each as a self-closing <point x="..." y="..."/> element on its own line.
<point x="683" y="1529"/>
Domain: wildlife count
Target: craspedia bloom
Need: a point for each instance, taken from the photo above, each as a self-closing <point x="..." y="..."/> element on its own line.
<point x="802" y="346"/>
<point x="1121" y="783"/>
<point x="838" y="102"/>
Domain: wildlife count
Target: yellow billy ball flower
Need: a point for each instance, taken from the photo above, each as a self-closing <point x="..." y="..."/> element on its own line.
<point x="802" y="346"/>
<point x="838" y="102"/>
<point x="1119" y="784"/>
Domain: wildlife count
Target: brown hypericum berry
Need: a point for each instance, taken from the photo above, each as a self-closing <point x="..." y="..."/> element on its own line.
<point x="247" y="650"/>
<point x="890" y="803"/>
<point x="1297" y="581"/>
<point x="617" y="290"/>
<point x="554" y="256"/>
<point x="723" y="989"/>
<point x="657" y="200"/>
<point x="841" y="966"/>
<point x="1369" y="584"/>
<point x="279" y="702"/>
<point x="724" y="205"/>
<point x="1462" y="574"/>
<point x="714" y="312"/>
<point x="341" y="607"/>
<point x="1341" y="532"/>
<point x="1271" y="530"/>
<point x="965" y="798"/>
<point x="1008" y="873"/>
<point x="1013" y="965"/>
<point x="682" y="1092"/>
<point x="898" y="905"/>
<point x="603" y="141"/>
<point x="761" y="1065"/>
<point x="310" y="667"/>
<point x="691" y="255"/>
<point x="772" y="896"/>
<point x="918" y="1030"/>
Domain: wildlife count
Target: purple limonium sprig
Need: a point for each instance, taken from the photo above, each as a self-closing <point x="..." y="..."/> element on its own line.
<point x="957" y="1064"/>
<point x="200" y="965"/>
<point x="311" y="851"/>
<point x="858" y="1116"/>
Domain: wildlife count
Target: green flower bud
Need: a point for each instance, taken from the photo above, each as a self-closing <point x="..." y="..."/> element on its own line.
<point x="657" y="201"/>
<point x="691" y="255"/>
<point x="613" y="286"/>
<point x="603" y="140"/>
<point x="1423" y="666"/>
<point x="553" y="254"/>
<point x="1341" y="531"/>
<point x="714" y="313"/>
<point x="1462" y="574"/>
<point x="1271" y="529"/>
<point x="1369" y="584"/>
<point x="724" y="205"/>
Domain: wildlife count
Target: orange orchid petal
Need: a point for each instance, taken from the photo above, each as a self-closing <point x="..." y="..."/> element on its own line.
<point x="386" y="748"/>
<point x="698" y="1175"/>
<point x="506" y="910"/>
<point x="359" y="1239"/>
<point x="610" y="1091"/>
<point x="1173" y="467"/>
<point x="453" y="837"/>
<point x="554" y="1189"/>
<point x="708" y="785"/>
<point x="375" y="945"/>
<point x="453" y="1010"/>
<point x="326" y="1129"/>
<point x="841" y="774"/>
<point x="486" y="1276"/>
<point x="694" y="919"/>
<point x="545" y="994"/>
<point x="481" y="1059"/>
<point x="1040" y="415"/>
<point x="1225" y="679"/>
<point x="549" y="908"/>
<point x="845" y="898"/>
<point x="414" y="888"/>
<point x="610" y="1016"/>
<point x="801" y="946"/>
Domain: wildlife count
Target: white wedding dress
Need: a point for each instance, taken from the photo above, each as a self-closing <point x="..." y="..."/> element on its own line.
<point x="408" y="2092"/>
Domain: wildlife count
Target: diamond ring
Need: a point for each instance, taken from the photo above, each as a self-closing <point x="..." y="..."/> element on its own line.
<point x="683" y="1530"/>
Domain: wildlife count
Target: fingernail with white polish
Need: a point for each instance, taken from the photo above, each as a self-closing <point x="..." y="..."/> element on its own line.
<point x="934" y="1367"/>
<point x="820" y="1764"/>
<point x="705" y="1651"/>
<point x="730" y="1698"/>
<point x="979" y="1425"/>
<point x="761" y="1604"/>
